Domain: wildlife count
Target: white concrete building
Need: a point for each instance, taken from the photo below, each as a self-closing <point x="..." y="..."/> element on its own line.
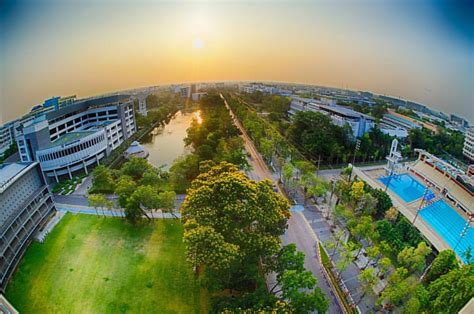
<point x="76" y="137"/>
<point x="360" y="123"/>
<point x="25" y="204"/>
<point x="468" y="149"/>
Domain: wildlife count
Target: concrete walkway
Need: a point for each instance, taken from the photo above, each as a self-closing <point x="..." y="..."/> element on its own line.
<point x="84" y="186"/>
<point x="110" y="213"/>
<point x="41" y="236"/>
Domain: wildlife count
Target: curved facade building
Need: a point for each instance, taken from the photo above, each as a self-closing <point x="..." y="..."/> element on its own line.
<point x="76" y="137"/>
<point x="26" y="205"/>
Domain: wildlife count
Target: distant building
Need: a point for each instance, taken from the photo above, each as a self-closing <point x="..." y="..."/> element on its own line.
<point x="26" y="204"/>
<point x="360" y="123"/>
<point x="460" y="121"/>
<point x="398" y="121"/>
<point x="75" y="137"/>
<point x="400" y="133"/>
<point x="6" y="136"/>
<point x="468" y="149"/>
<point x="185" y="91"/>
<point x="197" y="96"/>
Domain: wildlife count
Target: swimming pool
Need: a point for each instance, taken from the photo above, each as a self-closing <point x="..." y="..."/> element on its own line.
<point x="404" y="186"/>
<point x="449" y="224"/>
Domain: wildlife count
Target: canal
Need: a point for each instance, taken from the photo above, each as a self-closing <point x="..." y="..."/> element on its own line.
<point x="165" y="144"/>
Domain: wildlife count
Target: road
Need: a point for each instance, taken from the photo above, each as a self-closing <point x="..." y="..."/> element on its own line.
<point x="299" y="231"/>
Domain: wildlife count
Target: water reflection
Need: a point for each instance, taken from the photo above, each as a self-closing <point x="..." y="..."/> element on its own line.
<point x="165" y="144"/>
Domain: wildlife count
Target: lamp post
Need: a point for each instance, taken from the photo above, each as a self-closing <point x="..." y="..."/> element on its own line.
<point x="354" y="157"/>
<point x="422" y="202"/>
<point x="464" y="230"/>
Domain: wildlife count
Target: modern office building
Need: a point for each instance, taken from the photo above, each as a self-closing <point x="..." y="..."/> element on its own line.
<point x="26" y="204"/>
<point x="468" y="149"/>
<point x="6" y="137"/>
<point x="398" y="121"/>
<point x="459" y="120"/>
<point x="360" y="123"/>
<point x="76" y="136"/>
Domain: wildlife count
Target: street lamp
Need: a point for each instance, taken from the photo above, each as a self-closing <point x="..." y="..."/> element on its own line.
<point x="354" y="157"/>
<point x="464" y="230"/>
<point x="425" y="194"/>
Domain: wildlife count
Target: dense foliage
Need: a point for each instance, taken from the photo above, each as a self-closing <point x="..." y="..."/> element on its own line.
<point x="442" y="143"/>
<point x="232" y="236"/>
<point x="214" y="137"/>
<point x="399" y="234"/>
<point x="141" y="189"/>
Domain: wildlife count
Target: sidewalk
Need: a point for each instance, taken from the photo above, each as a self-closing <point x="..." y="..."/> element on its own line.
<point x="322" y="228"/>
<point x="109" y="213"/>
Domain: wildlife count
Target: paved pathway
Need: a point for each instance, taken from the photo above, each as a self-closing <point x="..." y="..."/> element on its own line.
<point x="82" y="188"/>
<point x="81" y="200"/>
<point x="110" y="213"/>
<point x="41" y="236"/>
<point x="298" y="231"/>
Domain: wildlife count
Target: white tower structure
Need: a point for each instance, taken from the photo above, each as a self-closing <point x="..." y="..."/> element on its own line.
<point x="142" y="104"/>
<point x="393" y="159"/>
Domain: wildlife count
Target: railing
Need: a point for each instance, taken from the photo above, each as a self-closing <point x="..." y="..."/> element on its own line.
<point x="341" y="296"/>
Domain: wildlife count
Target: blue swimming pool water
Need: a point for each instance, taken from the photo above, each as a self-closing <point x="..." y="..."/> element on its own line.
<point x="404" y="186"/>
<point x="449" y="225"/>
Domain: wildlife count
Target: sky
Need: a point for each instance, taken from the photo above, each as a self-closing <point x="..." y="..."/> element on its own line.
<point x="418" y="50"/>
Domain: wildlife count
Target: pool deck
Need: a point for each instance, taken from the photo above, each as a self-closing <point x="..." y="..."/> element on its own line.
<point x="409" y="210"/>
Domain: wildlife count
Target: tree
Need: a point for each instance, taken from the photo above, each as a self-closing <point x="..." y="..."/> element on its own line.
<point x="245" y="213"/>
<point x="357" y="191"/>
<point x="99" y="201"/>
<point x="384" y="265"/>
<point x="318" y="136"/>
<point x="414" y="258"/>
<point x="142" y="200"/>
<point x="266" y="148"/>
<point x="205" y="246"/>
<point x="366" y="204"/>
<point x="384" y="202"/>
<point x="364" y="228"/>
<point x="442" y="264"/>
<point x="183" y="171"/>
<point x="400" y="288"/>
<point x="125" y="188"/>
<point x="373" y="254"/>
<point x="288" y="171"/>
<point x="367" y="279"/>
<point x="152" y="178"/>
<point x="338" y="241"/>
<point x="297" y="286"/>
<point x="391" y="214"/>
<point x="346" y="257"/>
<point x="166" y="201"/>
<point x="102" y="180"/>
<point x="300" y="288"/>
<point x="450" y="292"/>
<point x="135" y="168"/>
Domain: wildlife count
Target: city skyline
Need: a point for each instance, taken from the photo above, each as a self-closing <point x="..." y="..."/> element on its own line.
<point x="422" y="52"/>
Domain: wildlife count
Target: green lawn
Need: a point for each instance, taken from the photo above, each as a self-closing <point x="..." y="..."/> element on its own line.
<point x="92" y="264"/>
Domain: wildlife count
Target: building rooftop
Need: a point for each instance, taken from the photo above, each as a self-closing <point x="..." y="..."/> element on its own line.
<point x="70" y="137"/>
<point x="345" y="112"/>
<point x="9" y="171"/>
<point x="400" y="119"/>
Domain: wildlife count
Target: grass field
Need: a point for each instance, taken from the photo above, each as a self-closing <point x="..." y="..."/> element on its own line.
<point x="92" y="264"/>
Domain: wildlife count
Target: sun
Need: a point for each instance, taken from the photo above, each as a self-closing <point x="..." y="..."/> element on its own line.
<point x="198" y="43"/>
